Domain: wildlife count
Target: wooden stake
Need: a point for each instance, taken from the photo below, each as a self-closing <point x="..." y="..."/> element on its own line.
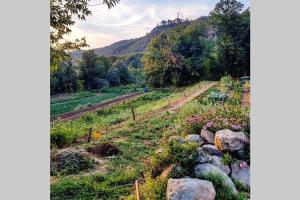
<point x="90" y="135"/>
<point x="133" y="115"/>
<point x="137" y="190"/>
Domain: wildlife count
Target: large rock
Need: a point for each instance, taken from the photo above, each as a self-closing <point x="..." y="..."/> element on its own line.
<point x="206" y="168"/>
<point x="203" y="156"/>
<point x="208" y="136"/>
<point x="241" y="172"/>
<point x="212" y="149"/>
<point x="216" y="161"/>
<point x="190" y="189"/>
<point x="194" y="138"/>
<point x="227" y="140"/>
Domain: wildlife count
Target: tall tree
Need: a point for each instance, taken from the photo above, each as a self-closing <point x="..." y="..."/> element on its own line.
<point x="233" y="33"/>
<point x="92" y="71"/>
<point x="61" y="19"/>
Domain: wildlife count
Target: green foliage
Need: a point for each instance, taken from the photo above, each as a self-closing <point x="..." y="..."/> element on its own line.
<point x="61" y="137"/>
<point x="185" y="155"/>
<point x="61" y="20"/>
<point x="177" y="57"/>
<point x="239" y="186"/>
<point x="233" y="42"/>
<point x="223" y="191"/>
<point x="79" y="101"/>
<point x="226" y="159"/>
<point x="110" y="187"/>
<point x="64" y="79"/>
<point x="151" y="189"/>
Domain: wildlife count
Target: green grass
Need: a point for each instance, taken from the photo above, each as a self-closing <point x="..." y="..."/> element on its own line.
<point x="136" y="140"/>
<point x="69" y="96"/>
<point x="76" y="103"/>
<point x="123" y="169"/>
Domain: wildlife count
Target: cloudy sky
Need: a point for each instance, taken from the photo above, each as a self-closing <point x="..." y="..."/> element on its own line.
<point x="134" y="18"/>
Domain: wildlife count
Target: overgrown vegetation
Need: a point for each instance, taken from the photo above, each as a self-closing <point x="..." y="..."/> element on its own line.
<point x="223" y="191"/>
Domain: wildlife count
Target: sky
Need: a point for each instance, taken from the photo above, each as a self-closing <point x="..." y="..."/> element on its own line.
<point x="134" y="18"/>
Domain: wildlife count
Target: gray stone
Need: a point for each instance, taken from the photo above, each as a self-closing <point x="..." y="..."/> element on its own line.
<point x="216" y="161"/>
<point x="241" y="172"/>
<point x="227" y="140"/>
<point x="194" y="138"/>
<point x="203" y="156"/>
<point x="212" y="149"/>
<point x="206" y="168"/>
<point x="190" y="189"/>
<point x="208" y="136"/>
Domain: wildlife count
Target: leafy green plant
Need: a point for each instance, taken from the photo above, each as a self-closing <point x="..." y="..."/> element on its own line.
<point x="223" y="191"/>
<point x="226" y="159"/>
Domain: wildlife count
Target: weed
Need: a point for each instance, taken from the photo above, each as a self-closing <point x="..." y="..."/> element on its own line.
<point x="226" y="159"/>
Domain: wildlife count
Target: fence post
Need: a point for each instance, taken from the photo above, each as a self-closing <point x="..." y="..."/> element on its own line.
<point x="133" y="114"/>
<point x="137" y="190"/>
<point x="90" y="135"/>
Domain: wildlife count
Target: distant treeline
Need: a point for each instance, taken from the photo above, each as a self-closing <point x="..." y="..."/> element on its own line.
<point x="204" y="49"/>
<point x="95" y="72"/>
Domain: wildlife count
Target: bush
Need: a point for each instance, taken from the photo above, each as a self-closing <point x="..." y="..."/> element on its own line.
<point x="61" y="137"/>
<point x="219" y="117"/>
<point x="154" y="188"/>
<point x="57" y="140"/>
<point x="185" y="155"/>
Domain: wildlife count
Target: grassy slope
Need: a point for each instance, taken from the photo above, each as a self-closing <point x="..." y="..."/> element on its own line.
<point x="136" y="140"/>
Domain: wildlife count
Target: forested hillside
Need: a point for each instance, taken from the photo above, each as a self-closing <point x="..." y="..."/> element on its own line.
<point x="138" y="44"/>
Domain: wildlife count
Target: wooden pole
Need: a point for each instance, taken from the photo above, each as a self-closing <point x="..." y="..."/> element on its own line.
<point x="133" y="115"/>
<point x="90" y="135"/>
<point x="137" y="190"/>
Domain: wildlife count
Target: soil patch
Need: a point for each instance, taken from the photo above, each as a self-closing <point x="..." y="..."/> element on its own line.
<point x="104" y="150"/>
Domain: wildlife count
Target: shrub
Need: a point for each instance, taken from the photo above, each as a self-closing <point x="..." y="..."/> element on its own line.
<point x="219" y="117"/>
<point x="153" y="188"/>
<point x="61" y="137"/>
<point x="57" y="140"/>
<point x="185" y="155"/>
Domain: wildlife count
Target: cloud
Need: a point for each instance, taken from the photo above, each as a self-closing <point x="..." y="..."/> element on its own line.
<point x="133" y="18"/>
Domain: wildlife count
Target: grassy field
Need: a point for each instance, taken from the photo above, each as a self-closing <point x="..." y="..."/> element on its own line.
<point x="72" y="101"/>
<point x="138" y="141"/>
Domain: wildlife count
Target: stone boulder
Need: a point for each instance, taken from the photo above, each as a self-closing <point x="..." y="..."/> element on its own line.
<point x="208" y="136"/>
<point x="194" y="138"/>
<point x="241" y="172"/>
<point x="216" y="161"/>
<point x="206" y="168"/>
<point x="227" y="140"/>
<point x="212" y="149"/>
<point x="190" y="189"/>
<point x="203" y="156"/>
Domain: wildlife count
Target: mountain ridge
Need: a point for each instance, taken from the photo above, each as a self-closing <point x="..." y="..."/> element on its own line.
<point x="135" y="45"/>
